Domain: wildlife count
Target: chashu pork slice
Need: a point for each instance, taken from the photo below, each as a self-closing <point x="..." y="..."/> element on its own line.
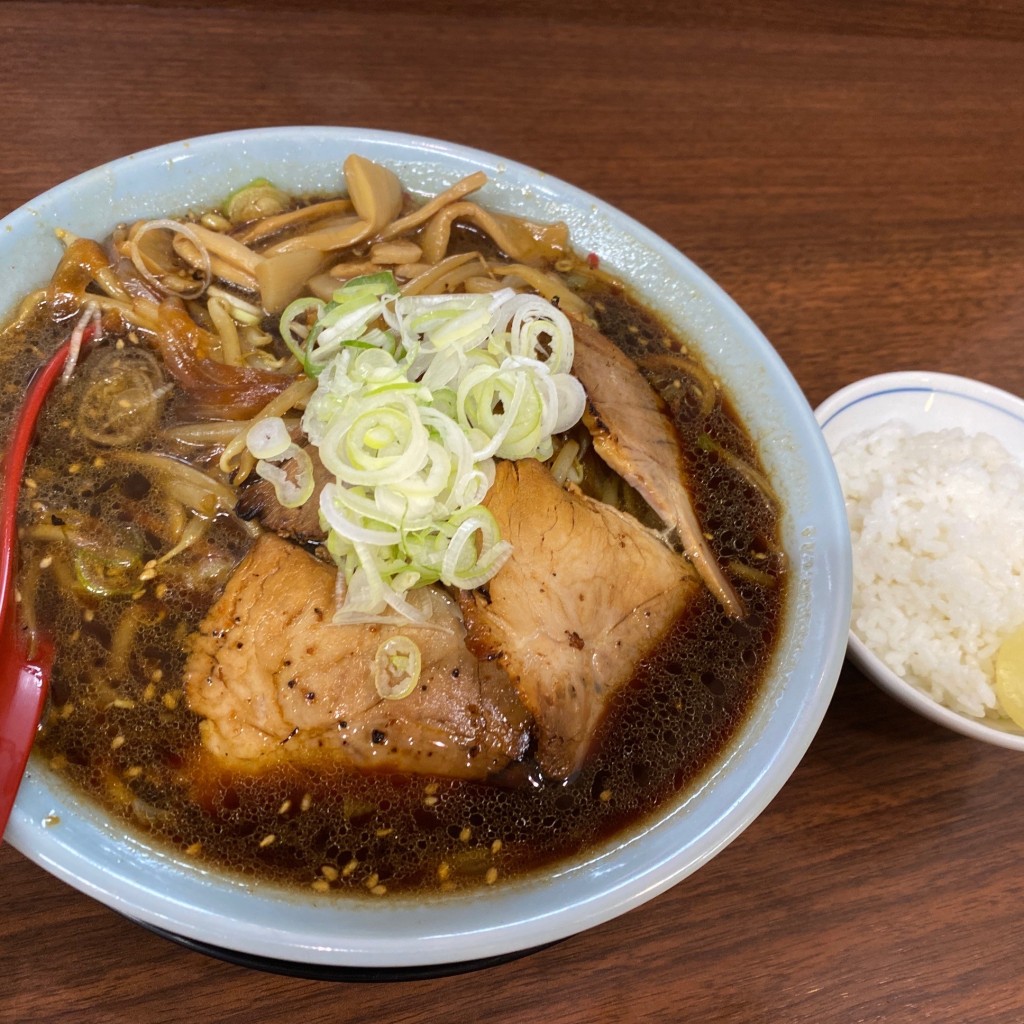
<point x="635" y="436"/>
<point x="272" y="677"/>
<point x="585" y="595"/>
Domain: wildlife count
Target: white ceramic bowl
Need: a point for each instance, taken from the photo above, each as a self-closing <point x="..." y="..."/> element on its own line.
<point x="926" y="402"/>
<point x="156" y="888"/>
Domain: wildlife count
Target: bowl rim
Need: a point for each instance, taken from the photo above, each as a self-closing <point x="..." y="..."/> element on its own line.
<point x="525" y="914"/>
<point x="853" y="400"/>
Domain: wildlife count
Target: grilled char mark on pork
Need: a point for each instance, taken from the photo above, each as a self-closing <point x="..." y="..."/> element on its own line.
<point x="586" y="594"/>
<point x="273" y="677"/>
<point x="635" y="436"/>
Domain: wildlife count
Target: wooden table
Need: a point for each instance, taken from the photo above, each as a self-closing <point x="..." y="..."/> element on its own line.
<point x="853" y="174"/>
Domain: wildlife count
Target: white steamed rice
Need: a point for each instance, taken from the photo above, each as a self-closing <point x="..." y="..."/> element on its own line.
<point x="937" y="521"/>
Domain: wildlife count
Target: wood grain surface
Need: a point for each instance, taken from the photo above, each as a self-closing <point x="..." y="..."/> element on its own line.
<point x="853" y="174"/>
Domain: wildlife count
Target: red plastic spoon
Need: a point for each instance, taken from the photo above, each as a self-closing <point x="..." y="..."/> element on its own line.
<point x="25" y="659"/>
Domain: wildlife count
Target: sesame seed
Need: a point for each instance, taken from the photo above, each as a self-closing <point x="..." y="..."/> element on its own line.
<point x="88" y="615"/>
<point x="329" y="872"/>
<point x="496" y="846"/>
<point x="117" y="742"/>
<point x="170" y="701"/>
<point x="156" y="675"/>
<point x="161" y="591"/>
<point x="68" y="710"/>
<point x="75" y="467"/>
<point x="30" y="483"/>
<point x="124" y="703"/>
<point x="430" y="801"/>
<point x="134" y="772"/>
<point x="267" y="840"/>
<point x="306" y="803"/>
<point x="349" y="868"/>
<point x="146" y="575"/>
<point x="431" y="788"/>
<point x="50" y="820"/>
<point x="606" y="795"/>
<point x="99" y="462"/>
<point x="285" y="807"/>
<point x="443" y="871"/>
<point x="319" y="885"/>
<point x="372" y="880"/>
<point x="465" y="835"/>
<point x="382" y="832"/>
<point x="59" y="762"/>
<point x="492" y="876"/>
<point x="192" y="850"/>
<point x="149" y="692"/>
<point x="379" y="890"/>
<point x="46" y="561"/>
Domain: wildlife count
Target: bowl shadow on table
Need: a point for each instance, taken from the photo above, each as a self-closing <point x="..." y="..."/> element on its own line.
<point x="330" y="972"/>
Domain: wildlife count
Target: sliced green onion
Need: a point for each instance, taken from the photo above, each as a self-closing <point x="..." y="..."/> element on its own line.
<point x="462" y="567"/>
<point x="260" y="198"/>
<point x="572" y="400"/>
<point x="397" y="667"/>
<point x="106" y="566"/>
<point x="536" y="327"/>
<point x="291" y="490"/>
<point x="297" y="343"/>
<point x="268" y="438"/>
<point x="416" y="396"/>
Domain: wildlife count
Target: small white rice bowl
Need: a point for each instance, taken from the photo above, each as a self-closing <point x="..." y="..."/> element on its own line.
<point x="937" y="522"/>
<point x="934" y="494"/>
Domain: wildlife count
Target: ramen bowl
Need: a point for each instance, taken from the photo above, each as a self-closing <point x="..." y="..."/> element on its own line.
<point x="76" y="841"/>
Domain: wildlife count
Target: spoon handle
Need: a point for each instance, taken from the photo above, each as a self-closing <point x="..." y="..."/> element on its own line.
<point x="39" y="385"/>
<point x="25" y="685"/>
<point x="14" y="459"/>
<point x="25" y="660"/>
